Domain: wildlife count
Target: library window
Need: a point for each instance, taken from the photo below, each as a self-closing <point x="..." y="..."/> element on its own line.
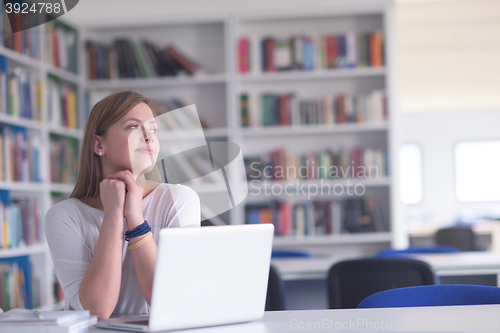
<point x="477" y="165"/>
<point x="410" y="163"/>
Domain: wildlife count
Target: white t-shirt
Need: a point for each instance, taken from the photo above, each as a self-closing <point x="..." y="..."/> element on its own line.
<point x="72" y="229"/>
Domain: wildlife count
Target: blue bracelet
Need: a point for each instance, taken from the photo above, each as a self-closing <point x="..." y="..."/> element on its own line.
<point x="140" y="230"/>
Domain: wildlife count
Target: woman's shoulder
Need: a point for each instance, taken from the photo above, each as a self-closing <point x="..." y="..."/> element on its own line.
<point x="177" y="191"/>
<point x="65" y="210"/>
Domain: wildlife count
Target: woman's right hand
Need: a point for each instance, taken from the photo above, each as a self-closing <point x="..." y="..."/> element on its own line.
<point x="112" y="193"/>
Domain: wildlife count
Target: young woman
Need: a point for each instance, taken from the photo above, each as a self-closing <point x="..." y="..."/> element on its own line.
<point x="103" y="239"/>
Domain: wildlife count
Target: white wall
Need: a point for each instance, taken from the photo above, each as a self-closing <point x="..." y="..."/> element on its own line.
<point x="437" y="134"/>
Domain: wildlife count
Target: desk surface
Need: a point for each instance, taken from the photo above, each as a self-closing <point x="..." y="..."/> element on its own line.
<point x="476" y="318"/>
<point x="447" y="263"/>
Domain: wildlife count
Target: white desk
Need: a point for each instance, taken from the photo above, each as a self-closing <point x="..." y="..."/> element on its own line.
<point x="476" y="318"/>
<point x="464" y="263"/>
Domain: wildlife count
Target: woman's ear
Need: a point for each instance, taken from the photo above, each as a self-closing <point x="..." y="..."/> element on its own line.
<point x="98" y="148"/>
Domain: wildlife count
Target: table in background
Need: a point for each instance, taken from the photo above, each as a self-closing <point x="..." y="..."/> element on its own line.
<point x="306" y="278"/>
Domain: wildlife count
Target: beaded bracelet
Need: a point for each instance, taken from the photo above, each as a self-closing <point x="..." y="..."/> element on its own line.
<point x="140" y="230"/>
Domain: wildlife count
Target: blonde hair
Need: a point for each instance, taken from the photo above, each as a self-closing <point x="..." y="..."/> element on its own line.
<point x="104" y="114"/>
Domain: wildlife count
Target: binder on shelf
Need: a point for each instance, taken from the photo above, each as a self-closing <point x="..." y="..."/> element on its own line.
<point x="64" y="159"/>
<point x="16" y="281"/>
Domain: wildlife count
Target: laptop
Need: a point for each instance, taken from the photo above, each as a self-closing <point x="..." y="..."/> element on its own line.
<point x="206" y="277"/>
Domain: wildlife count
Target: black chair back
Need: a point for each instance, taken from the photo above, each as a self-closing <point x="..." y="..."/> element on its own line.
<point x="274" y="300"/>
<point x="351" y="281"/>
<point x="463" y="238"/>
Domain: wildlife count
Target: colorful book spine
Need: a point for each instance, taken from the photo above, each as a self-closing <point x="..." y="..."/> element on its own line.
<point x="287" y="109"/>
<point x="62" y="103"/>
<point x="64" y="159"/>
<point x="344" y="164"/>
<point x="319" y="217"/>
<point x="348" y="50"/>
<point x="61" y="47"/>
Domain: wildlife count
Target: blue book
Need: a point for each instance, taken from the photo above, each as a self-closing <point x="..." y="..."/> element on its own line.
<point x="342" y="51"/>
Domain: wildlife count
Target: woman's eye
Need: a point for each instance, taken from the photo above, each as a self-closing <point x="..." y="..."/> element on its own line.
<point x="154" y="130"/>
<point x="134" y="126"/>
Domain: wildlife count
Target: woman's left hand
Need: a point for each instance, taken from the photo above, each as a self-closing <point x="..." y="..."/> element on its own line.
<point x="132" y="210"/>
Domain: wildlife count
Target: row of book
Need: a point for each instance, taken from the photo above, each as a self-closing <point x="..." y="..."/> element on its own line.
<point x="62" y="103"/>
<point x="125" y="58"/>
<point x="63" y="159"/>
<point x="62" y="41"/>
<point x="20" y="91"/>
<point x="305" y="52"/>
<point x="19" y="283"/>
<point x="20" y="155"/>
<point x="343" y="164"/>
<point x="20" y="221"/>
<point x="316" y="218"/>
<point x="287" y="109"/>
<point x="25" y="41"/>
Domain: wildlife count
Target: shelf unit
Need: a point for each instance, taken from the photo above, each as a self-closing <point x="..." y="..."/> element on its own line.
<point x="376" y="15"/>
<point x="213" y="44"/>
<point x="43" y="130"/>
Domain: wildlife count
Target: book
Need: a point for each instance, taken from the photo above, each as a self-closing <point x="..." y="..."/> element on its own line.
<point x="79" y="326"/>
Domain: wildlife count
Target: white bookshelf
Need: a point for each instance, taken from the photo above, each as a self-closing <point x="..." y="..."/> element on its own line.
<point x="374" y="15"/>
<point x="42" y="131"/>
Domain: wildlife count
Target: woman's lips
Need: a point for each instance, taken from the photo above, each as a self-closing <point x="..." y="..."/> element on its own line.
<point x="146" y="151"/>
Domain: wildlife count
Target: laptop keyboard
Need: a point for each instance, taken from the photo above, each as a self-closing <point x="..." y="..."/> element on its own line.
<point x="139" y="322"/>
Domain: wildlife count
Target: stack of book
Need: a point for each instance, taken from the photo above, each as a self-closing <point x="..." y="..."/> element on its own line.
<point x="126" y="58"/>
<point x="62" y="103"/>
<point x="287" y="109"/>
<point x="19" y="221"/>
<point x="24" y="320"/>
<point x="344" y="164"/>
<point x="316" y="218"/>
<point x="348" y="50"/>
<point x="64" y="159"/>
<point x="20" y="155"/>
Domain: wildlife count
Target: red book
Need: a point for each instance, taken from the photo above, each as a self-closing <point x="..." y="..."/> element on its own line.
<point x="18" y="36"/>
<point x="187" y="64"/>
<point x="311" y="165"/>
<point x="357" y="162"/>
<point x="341" y="116"/>
<point x="55" y="49"/>
<point x="92" y="54"/>
<point x="285" y="109"/>
<point x="270" y="67"/>
<point x="331" y="51"/>
<point x="375" y="42"/>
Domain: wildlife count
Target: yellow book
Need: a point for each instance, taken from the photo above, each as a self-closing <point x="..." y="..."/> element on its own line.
<point x="71" y="108"/>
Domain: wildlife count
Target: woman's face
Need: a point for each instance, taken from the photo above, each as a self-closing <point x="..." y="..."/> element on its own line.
<point x="131" y="142"/>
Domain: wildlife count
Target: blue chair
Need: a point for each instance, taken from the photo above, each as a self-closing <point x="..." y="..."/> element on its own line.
<point x="433" y="295"/>
<point x="391" y="253"/>
<point x="291" y="254"/>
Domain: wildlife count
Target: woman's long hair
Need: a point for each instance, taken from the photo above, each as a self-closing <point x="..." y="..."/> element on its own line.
<point x="104" y="114"/>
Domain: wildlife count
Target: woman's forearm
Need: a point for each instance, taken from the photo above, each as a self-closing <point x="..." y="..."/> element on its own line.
<point x="144" y="258"/>
<point x="100" y="288"/>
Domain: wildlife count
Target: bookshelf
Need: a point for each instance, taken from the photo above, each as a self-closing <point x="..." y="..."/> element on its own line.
<point x="213" y="43"/>
<point x="216" y="92"/>
<point x="253" y="79"/>
<point x="27" y="108"/>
